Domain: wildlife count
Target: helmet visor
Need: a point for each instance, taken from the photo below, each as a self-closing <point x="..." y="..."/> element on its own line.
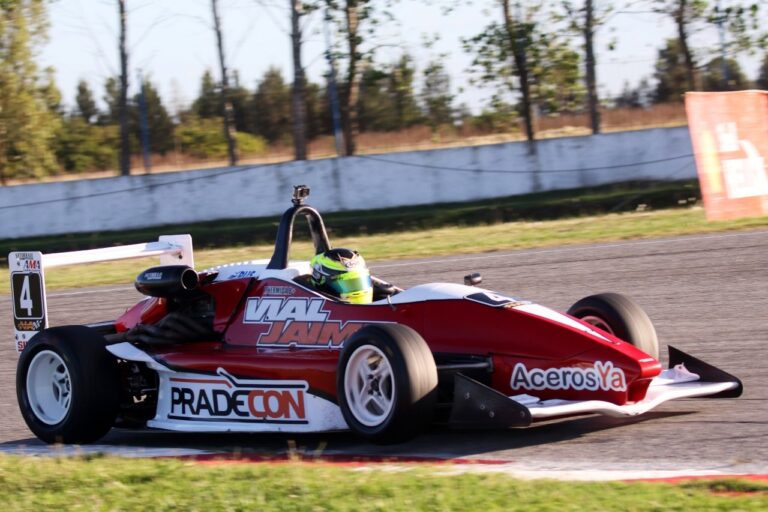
<point x="351" y="282"/>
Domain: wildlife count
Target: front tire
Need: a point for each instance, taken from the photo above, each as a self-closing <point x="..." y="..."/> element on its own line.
<point x="621" y="316"/>
<point x="67" y="385"/>
<point x="387" y="383"/>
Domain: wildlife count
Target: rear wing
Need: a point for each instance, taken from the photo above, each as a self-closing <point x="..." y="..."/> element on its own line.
<point x="27" y="269"/>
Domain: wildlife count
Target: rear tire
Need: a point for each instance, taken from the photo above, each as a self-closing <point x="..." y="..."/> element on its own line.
<point x="621" y="316"/>
<point x="387" y="383"/>
<point x="67" y="385"/>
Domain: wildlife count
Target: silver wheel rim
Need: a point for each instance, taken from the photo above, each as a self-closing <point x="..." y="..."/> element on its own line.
<point x="597" y="322"/>
<point x="369" y="386"/>
<point x="49" y="387"/>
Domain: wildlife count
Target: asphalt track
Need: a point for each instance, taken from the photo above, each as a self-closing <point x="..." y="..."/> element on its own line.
<point x="707" y="295"/>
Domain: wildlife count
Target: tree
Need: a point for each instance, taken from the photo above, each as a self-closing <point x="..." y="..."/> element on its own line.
<point x="713" y="79"/>
<point x="521" y="54"/>
<point x="387" y="99"/>
<point x="225" y="105"/>
<point x="27" y="95"/>
<point x="436" y="96"/>
<point x="203" y="138"/>
<point x="358" y="20"/>
<point x="242" y="111"/>
<point x="298" y="100"/>
<point x="318" y="111"/>
<point x="86" y="105"/>
<point x="207" y="103"/>
<point x="684" y="13"/>
<point x="640" y="96"/>
<point x="401" y="78"/>
<point x="159" y="122"/>
<point x="272" y="107"/>
<point x="518" y="39"/>
<point x="585" y="21"/>
<point x="671" y="73"/>
<point x="125" y="148"/>
<point x="762" y="77"/>
<point x="556" y="80"/>
<point x="374" y="107"/>
<point x="84" y="147"/>
<point x="112" y="99"/>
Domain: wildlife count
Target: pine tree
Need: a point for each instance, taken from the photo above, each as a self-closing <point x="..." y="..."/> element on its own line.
<point x="86" y="105"/>
<point x="272" y="107"/>
<point x="671" y="73"/>
<point x="207" y="103"/>
<point x="436" y="96"/>
<point x="400" y="87"/>
<point x="112" y="99"/>
<point x="159" y="122"/>
<point x="762" y="76"/>
<point x="713" y="79"/>
<point x="27" y="95"/>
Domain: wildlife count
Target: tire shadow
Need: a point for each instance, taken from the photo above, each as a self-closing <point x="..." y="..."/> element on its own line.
<point x="439" y="443"/>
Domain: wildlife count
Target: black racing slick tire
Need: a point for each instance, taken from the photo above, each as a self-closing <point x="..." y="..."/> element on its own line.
<point x="621" y="316"/>
<point x="67" y="385"/>
<point x="387" y="383"/>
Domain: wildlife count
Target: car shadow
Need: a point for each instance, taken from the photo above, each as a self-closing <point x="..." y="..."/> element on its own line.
<point x="439" y="443"/>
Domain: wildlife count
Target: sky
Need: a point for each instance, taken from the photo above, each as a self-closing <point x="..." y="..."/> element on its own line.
<point x="172" y="42"/>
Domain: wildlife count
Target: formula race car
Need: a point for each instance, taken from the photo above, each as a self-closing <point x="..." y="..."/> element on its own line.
<point x="254" y="347"/>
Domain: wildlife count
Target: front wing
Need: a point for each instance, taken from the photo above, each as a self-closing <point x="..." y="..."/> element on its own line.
<point x="476" y="405"/>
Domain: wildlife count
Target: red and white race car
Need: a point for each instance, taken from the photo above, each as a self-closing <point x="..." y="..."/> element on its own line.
<point x="253" y="347"/>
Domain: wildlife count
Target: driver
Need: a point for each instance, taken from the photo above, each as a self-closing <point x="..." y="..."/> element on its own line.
<point x="342" y="273"/>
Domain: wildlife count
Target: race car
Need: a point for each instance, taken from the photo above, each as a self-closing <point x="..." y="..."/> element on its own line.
<point x="255" y="347"/>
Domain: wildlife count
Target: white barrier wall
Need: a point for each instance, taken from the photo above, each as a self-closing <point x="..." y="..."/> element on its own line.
<point x="353" y="183"/>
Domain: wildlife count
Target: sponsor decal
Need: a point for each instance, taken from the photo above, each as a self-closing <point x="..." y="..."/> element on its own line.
<point x="496" y="300"/>
<point x="279" y="290"/>
<point x="227" y="399"/>
<point x="28" y="325"/>
<point x="600" y="376"/>
<point x="300" y="322"/>
<point x="242" y="274"/>
<point x="26" y="261"/>
<point x="31" y="265"/>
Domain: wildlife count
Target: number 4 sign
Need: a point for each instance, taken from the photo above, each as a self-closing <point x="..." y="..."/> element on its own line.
<point x="28" y="293"/>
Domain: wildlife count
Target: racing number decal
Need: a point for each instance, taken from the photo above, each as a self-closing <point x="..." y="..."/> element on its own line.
<point x="27" y="291"/>
<point x="28" y="294"/>
<point x="23" y="299"/>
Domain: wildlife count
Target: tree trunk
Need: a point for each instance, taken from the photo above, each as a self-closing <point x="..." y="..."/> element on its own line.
<point x="298" y="100"/>
<point x="591" y="75"/>
<point x="125" y="148"/>
<point x="351" y="93"/>
<point x="681" y="22"/>
<point x="226" y="105"/>
<point x="518" y="45"/>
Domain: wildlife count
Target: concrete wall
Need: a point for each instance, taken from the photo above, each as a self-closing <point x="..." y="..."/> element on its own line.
<point x="378" y="181"/>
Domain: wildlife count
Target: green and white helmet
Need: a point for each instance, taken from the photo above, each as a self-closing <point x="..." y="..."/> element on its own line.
<point x="343" y="273"/>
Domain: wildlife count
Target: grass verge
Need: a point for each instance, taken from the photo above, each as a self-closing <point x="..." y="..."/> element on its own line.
<point x="140" y="484"/>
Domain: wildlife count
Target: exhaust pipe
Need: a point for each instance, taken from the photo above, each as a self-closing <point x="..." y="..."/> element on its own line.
<point x="167" y="281"/>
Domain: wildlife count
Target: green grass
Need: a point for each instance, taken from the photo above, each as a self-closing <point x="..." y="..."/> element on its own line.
<point x="436" y="242"/>
<point x="121" y="484"/>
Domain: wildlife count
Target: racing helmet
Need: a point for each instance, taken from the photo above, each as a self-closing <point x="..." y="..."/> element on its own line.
<point x="344" y="274"/>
